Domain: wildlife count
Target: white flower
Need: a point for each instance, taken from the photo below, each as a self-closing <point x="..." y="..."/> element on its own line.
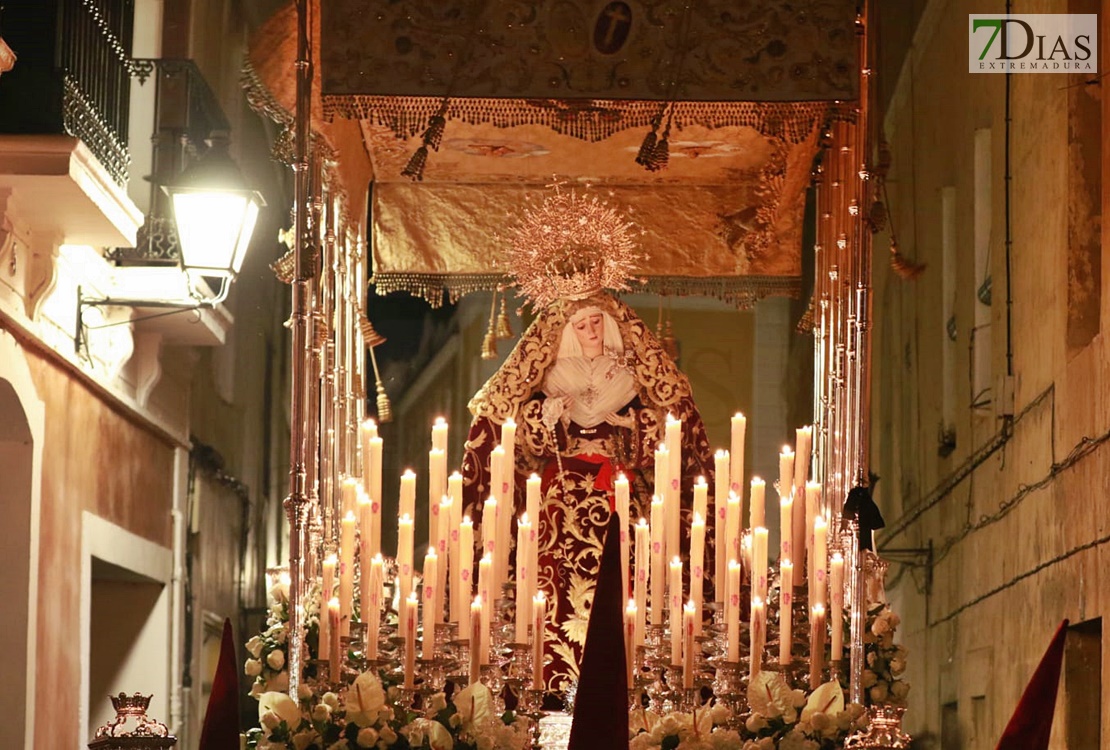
<point x="320" y="712"/>
<point x="878" y="693"/>
<point x="269" y="720"/>
<point x="756" y="723"/>
<point x="365" y="700"/>
<point x="367" y="737"/>
<point x="388" y="736"/>
<point x="719" y="713"/>
<point x="900" y="689"/>
<point x="436" y="703"/>
<point x="282" y="705"/>
<point x="252" y="668"/>
<point x="897" y="666"/>
<point x="254" y="646"/>
<point x="303" y="692"/>
<point x="331" y="700"/>
<point x="257" y="689"/>
<point x="301" y="740"/>
<point x="869" y="678"/>
<point x="276" y="659"/>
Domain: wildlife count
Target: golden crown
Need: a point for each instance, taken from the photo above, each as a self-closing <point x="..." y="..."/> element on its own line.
<point x="570" y="246"/>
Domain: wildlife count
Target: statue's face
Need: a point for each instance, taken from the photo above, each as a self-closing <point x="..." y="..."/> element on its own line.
<point x="590" y="330"/>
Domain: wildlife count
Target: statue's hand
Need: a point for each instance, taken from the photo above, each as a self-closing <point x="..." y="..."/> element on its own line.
<point x="620" y="421"/>
<point x="552" y="410"/>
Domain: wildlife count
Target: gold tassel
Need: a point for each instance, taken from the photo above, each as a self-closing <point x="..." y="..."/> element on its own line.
<point x="433" y="136"/>
<point x="903" y="266"/>
<point x="370" y="337"/>
<point x="415" y="168"/>
<point x="504" y="328"/>
<point x="283" y="268"/>
<point x="489" y="346"/>
<point x="647" y="148"/>
<point x="385" y="409"/>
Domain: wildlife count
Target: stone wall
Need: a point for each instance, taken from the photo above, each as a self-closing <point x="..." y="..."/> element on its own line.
<point x="990" y="443"/>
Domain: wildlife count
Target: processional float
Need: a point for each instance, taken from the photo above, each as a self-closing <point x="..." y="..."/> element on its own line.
<point x="356" y="654"/>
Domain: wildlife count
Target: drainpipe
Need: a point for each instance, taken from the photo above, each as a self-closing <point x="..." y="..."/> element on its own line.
<point x="178" y="718"/>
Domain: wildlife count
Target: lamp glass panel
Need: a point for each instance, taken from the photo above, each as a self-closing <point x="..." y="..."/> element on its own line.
<point x="209" y="226"/>
<point x="250" y="216"/>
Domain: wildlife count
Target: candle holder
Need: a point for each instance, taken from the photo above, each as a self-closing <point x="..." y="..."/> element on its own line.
<point x="884" y="730"/>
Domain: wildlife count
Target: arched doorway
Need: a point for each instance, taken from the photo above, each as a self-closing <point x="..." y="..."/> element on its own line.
<point x="21" y="434"/>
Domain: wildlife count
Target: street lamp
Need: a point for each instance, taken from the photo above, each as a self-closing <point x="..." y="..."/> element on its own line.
<point x="215" y="212"/>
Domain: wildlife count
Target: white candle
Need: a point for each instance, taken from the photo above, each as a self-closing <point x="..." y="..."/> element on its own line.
<point x="327" y="588"/>
<point x="675" y="595"/>
<point x="662" y="485"/>
<point x="836" y="597"/>
<point x="786" y="604"/>
<point x="404" y="556"/>
<point x="786" y="470"/>
<point x="813" y="502"/>
<point x="475" y="639"/>
<point x="732" y="610"/>
<point x="523" y="579"/>
<point x="697" y="566"/>
<point x="732" y="526"/>
<point x="736" y="454"/>
<point x="689" y="618"/>
<point x="643" y="555"/>
<point x="701" y="497"/>
<point x="459" y="605"/>
<point x="431" y="575"/>
<point x="620" y="487"/>
<point x="463" y="580"/>
<point x="674" y="481"/>
<point x="407" y="505"/>
<point x="786" y="526"/>
<point x="349" y="498"/>
<point x="504" y="516"/>
<point x="720" y="503"/>
<point x="489" y="544"/>
<point x="757" y="514"/>
<point x="439" y="434"/>
<point x="820" y="560"/>
<point x="758" y="637"/>
<point x="485" y="595"/>
<point x="508" y="479"/>
<point x="346" y="571"/>
<point x="539" y="616"/>
<point x="374" y="490"/>
<point x="364" y="555"/>
<point x="759" y="562"/>
<point x="335" y="665"/>
<point x="373" y="609"/>
<point x="816" y="645"/>
<point x="411" y="605"/>
<point x="443" y="552"/>
<point x="437" y="488"/>
<point x="630" y="617"/>
<point x="658" y="583"/>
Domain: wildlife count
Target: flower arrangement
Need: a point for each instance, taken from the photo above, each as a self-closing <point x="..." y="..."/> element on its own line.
<point x="267" y="660"/>
<point x="780" y="719"/>
<point x="370" y="715"/>
<point x="885" y="661"/>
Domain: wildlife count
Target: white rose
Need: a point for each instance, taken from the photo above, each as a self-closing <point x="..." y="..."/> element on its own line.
<point x="252" y="668"/>
<point x="756" y="723"/>
<point x="897" y="666"/>
<point x="820" y="722"/>
<point x="276" y="659"/>
<point x="269" y="720"/>
<point x="367" y="737"/>
<point x="388" y="736"/>
<point x="304" y="692"/>
<point x="257" y="689"/>
<point x="879" y="693"/>
<point x="331" y="700"/>
<point x="321" y="712"/>
<point x="254" y="646"/>
<point x="301" y="740"/>
<point x="869" y="678"/>
<point x="900" y="689"/>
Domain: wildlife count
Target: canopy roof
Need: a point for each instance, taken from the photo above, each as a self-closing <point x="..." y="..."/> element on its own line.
<point x="532" y="91"/>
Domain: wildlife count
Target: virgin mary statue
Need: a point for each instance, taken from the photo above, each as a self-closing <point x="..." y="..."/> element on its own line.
<point x="590" y="388"/>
